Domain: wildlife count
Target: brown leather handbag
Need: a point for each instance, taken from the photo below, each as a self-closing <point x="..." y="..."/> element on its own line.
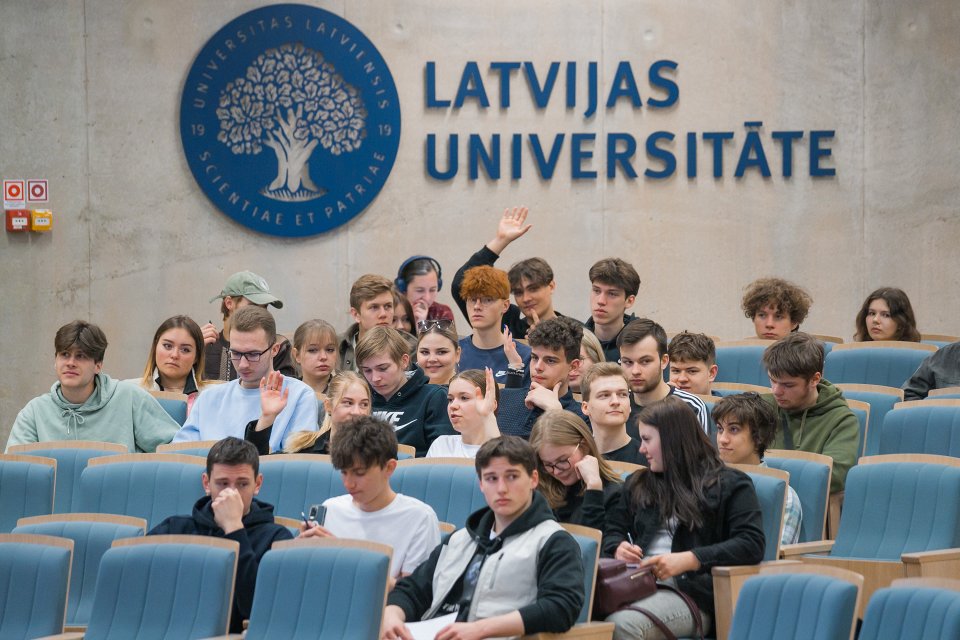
<point x="619" y="586"/>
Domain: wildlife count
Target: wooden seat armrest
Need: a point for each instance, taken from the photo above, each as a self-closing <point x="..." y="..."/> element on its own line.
<point x="923" y="557"/>
<point x="802" y="548"/>
<point x="64" y="636"/>
<point x="943" y="563"/>
<point x="232" y="636"/>
<point x="583" y="631"/>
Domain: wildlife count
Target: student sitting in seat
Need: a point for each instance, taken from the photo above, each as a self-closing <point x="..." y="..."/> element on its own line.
<point x="746" y="427"/>
<point x="315" y="351"/>
<point x="365" y="454"/>
<point x="411" y="405"/>
<point x="886" y="314"/>
<point x="777" y="307"/>
<point x="512" y="571"/>
<point x="85" y="404"/>
<point x="574" y="478"/>
<point x="693" y="362"/>
<point x="175" y="362"/>
<point x="606" y="402"/>
<point x="471" y="405"/>
<point x="614" y="285"/>
<point x="438" y="351"/>
<point x="554" y="353"/>
<point x="230" y="510"/>
<point x="590" y="354"/>
<point x="371" y="305"/>
<point x="812" y="413"/>
<point x="348" y="396"/>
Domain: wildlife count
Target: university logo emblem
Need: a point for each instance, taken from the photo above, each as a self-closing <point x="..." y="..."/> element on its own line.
<point x="290" y="120"/>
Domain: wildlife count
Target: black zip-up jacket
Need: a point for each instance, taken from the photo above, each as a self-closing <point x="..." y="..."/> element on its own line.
<point x="732" y="531"/>
<point x="610" y="349"/>
<point x="258" y="534"/>
<point x="513" y="318"/>
<point x="559" y="571"/>
<point x="417" y="412"/>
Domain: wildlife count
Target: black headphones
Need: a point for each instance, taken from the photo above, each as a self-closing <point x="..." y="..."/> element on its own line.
<point x="401" y="282"/>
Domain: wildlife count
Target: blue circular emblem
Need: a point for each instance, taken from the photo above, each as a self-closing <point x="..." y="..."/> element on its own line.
<point x="290" y="120"/>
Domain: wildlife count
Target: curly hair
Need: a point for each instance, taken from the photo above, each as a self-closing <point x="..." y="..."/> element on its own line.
<point x="752" y="412"/>
<point x="485" y="281"/>
<point x="901" y="312"/>
<point x="782" y="295"/>
<point x="558" y="333"/>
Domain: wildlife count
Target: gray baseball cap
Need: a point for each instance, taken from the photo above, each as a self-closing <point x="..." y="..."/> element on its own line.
<point x="249" y="285"/>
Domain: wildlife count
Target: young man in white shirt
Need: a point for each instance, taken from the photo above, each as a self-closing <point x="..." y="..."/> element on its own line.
<point x="365" y="453"/>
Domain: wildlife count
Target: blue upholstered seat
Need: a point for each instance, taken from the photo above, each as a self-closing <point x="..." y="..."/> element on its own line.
<point x="811" y="481"/>
<point x="872" y="363"/>
<point x="72" y="457"/>
<point x="771" y="492"/>
<point x="26" y="488"/>
<point x="176" y="409"/>
<point x="292" y="482"/>
<point x="319" y="590"/>
<point x="912" y="612"/>
<point x="920" y="427"/>
<point x="162" y="587"/>
<point x="881" y="400"/>
<point x="91" y="539"/>
<point x="152" y="486"/>
<point x="34" y="576"/>
<point x="450" y="486"/>
<point x="741" y="363"/>
<point x="589" y="541"/>
<point x="892" y="508"/>
<point x="799" y="606"/>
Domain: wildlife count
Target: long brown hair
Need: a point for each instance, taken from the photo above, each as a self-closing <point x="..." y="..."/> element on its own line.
<point x="338" y="385"/>
<point x="561" y="428"/>
<point x="690" y="465"/>
<point x="901" y="311"/>
<point x="176" y="322"/>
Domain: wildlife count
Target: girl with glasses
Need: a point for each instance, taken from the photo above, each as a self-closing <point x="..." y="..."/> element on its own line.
<point x="574" y="478"/>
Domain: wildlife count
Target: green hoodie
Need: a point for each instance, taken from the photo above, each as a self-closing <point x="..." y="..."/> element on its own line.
<point x="116" y="411"/>
<point x="828" y="427"/>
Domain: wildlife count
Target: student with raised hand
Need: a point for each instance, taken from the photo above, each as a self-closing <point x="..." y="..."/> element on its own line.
<point x="776" y="306"/>
<point x="511" y="571"/>
<point x="531" y="281"/>
<point x="614" y="285"/>
<point x="486" y="291"/>
<point x="591" y="352"/>
<point x="574" y="478"/>
<point x="606" y="402"/>
<point x="315" y="352"/>
<point x="554" y="352"/>
<point x="886" y="314"/>
<point x="411" y="405"/>
<point x="229" y="409"/>
<point x="419" y="279"/>
<point x="175" y="361"/>
<point x="746" y="427"/>
<point x="471" y="406"/>
<point x="365" y="454"/>
<point x="86" y="404"/>
<point x="438" y="350"/>
<point x="241" y="289"/>
<point x="685" y="515"/>
<point x="347" y="396"/>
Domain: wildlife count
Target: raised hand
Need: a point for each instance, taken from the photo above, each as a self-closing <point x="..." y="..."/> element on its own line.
<point x="273" y="398"/>
<point x="512" y="225"/>
<point x="209" y="332"/>
<point x="510" y="349"/>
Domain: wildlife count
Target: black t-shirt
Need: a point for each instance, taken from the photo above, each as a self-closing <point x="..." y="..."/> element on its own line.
<point x="629" y="452"/>
<point x="461" y="595"/>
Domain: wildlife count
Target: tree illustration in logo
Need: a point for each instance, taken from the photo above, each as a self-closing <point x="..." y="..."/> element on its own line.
<point x="291" y="100"/>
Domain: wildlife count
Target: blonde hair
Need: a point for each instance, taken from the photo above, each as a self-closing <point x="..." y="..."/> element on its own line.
<point x="338" y="386"/>
<point x="382" y="340"/>
<point x="591" y="344"/>
<point x="193" y="329"/>
<point x="561" y="428"/>
<point x="318" y="331"/>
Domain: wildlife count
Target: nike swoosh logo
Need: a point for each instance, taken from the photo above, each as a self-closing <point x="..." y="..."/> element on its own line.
<point x="401" y="426"/>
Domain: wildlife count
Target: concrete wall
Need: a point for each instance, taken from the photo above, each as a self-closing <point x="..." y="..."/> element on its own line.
<point x="90" y="99"/>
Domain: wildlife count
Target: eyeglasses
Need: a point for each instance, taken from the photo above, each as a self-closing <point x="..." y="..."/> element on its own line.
<point x="429" y="325"/>
<point x="562" y="464"/>
<point x="251" y="356"/>
<point x="484" y="301"/>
